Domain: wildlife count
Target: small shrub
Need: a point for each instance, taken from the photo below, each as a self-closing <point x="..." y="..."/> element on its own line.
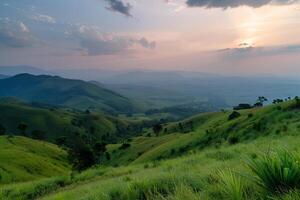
<point x="278" y="107"/>
<point x="233" y="139"/>
<point x="2" y="130"/>
<point x="124" y="146"/>
<point x="173" y="151"/>
<point x="234" y="115"/>
<point x="277" y="173"/>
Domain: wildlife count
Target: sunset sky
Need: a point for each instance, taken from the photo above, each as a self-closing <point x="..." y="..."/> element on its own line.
<point x="219" y="36"/>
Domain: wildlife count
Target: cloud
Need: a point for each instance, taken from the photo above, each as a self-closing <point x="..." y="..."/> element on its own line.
<point x="96" y="42"/>
<point x="120" y="7"/>
<point x="246" y="51"/>
<point x="23" y="27"/>
<point x="14" y="34"/>
<point x="43" y="18"/>
<point x="236" y="3"/>
<point x="146" y="44"/>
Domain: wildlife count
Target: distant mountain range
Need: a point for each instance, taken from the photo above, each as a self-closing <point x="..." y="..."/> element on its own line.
<point x="158" y="89"/>
<point x="65" y="92"/>
<point x="14" y="70"/>
<point x="3" y="76"/>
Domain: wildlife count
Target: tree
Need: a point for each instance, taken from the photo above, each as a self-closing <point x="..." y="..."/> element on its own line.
<point x="61" y="141"/>
<point x="38" y="135"/>
<point x="2" y="130"/>
<point x="107" y="156"/>
<point x="192" y="125"/>
<point x="23" y="127"/>
<point x="81" y="155"/>
<point x="180" y="127"/>
<point x="99" y="148"/>
<point x="260" y="101"/>
<point x="297" y="99"/>
<point x="157" y="129"/>
<point x="277" y="101"/>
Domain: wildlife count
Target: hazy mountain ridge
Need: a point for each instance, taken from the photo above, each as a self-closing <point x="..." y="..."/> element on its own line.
<point x="65" y="92"/>
<point x="166" y="88"/>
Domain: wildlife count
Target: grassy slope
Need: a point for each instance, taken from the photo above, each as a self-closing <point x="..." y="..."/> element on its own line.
<point x="55" y="122"/>
<point x="24" y="159"/>
<point x="194" y="175"/>
<point x="210" y="129"/>
<point x="198" y="170"/>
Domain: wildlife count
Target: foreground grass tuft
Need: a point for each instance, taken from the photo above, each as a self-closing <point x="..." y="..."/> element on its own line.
<point x="277" y="173"/>
<point x="232" y="185"/>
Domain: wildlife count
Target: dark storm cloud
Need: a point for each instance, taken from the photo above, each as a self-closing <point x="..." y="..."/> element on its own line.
<point x="120" y="7"/>
<point x="236" y="3"/>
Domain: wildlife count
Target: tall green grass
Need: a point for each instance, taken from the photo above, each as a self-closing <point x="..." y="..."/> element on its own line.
<point x="277" y="172"/>
<point x="232" y="185"/>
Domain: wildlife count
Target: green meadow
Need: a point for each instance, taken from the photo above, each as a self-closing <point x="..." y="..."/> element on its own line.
<point x="23" y="159"/>
<point x="253" y="155"/>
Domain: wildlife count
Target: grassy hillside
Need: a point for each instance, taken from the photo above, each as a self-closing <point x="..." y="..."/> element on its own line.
<point x="209" y="130"/>
<point x="207" y="156"/>
<point x="23" y="159"/>
<point x="65" y="92"/>
<point x="196" y="176"/>
<point x="58" y="122"/>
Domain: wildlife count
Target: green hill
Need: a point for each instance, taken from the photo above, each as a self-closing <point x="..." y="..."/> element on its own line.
<point x="216" y="151"/>
<point x="209" y="174"/>
<point x="209" y="130"/>
<point x="57" y="122"/>
<point x="23" y="159"/>
<point x="65" y="92"/>
<point x="204" y="157"/>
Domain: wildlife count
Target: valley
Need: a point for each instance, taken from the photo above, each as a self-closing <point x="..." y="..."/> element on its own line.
<point x="179" y="160"/>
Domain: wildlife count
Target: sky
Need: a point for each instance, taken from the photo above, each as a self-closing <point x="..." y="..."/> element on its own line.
<point x="217" y="36"/>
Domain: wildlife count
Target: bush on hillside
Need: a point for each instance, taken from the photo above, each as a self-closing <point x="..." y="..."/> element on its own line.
<point x="22" y="127"/>
<point x="157" y="128"/>
<point x="38" y="135"/>
<point x="124" y="146"/>
<point x="81" y="155"/>
<point x="233" y="139"/>
<point x="61" y="141"/>
<point x="2" y="130"/>
<point x="234" y="115"/>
